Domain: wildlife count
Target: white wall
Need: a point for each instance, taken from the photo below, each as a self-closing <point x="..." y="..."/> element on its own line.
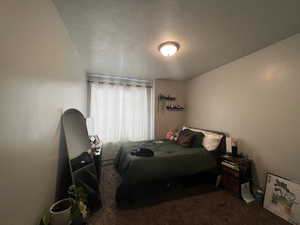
<point x="257" y="100"/>
<point x="40" y="75"/>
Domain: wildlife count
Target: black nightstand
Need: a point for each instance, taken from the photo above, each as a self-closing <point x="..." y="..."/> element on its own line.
<point x="235" y="171"/>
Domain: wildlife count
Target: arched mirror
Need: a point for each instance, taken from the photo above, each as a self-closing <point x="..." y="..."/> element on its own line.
<point x="82" y="165"/>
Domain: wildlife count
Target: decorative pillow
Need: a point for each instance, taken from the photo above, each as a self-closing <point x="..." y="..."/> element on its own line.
<point x="185" y="138"/>
<point x="198" y="139"/>
<point x="211" y="140"/>
<point x="181" y="134"/>
<point x="170" y="135"/>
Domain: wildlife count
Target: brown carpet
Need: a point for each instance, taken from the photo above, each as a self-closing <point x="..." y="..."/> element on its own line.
<point x="217" y="207"/>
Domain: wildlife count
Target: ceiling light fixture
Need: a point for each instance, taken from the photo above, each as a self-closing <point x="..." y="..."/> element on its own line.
<point x="168" y="48"/>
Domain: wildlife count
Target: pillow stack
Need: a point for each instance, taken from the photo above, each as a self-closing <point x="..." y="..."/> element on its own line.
<point x="210" y="141"/>
<point x="185" y="138"/>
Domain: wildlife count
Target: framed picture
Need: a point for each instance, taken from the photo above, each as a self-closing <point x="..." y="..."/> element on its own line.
<point x="282" y="197"/>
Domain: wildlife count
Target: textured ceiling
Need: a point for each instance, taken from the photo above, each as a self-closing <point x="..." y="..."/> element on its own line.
<point x="121" y="37"/>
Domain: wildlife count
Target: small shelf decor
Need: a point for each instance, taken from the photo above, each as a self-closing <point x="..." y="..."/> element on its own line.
<point x="166" y="98"/>
<point x="173" y="107"/>
<point x="168" y="102"/>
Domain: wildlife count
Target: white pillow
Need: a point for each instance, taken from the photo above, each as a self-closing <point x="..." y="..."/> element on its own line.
<point x="210" y="141"/>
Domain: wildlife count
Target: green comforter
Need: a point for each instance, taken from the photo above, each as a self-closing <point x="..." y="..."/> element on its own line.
<point x="169" y="160"/>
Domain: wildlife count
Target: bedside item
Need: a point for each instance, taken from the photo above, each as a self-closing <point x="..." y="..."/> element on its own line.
<point x="282" y="198"/>
<point x="246" y="193"/>
<point x="235" y="172"/>
<point x="231" y="146"/>
<point x="259" y="196"/>
<point x="218" y="180"/>
<point x="228" y="145"/>
<point x="234" y="147"/>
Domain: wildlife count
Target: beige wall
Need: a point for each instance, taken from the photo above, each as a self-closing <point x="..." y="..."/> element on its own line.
<point x="257" y="100"/>
<point x="39" y="77"/>
<point x="165" y="120"/>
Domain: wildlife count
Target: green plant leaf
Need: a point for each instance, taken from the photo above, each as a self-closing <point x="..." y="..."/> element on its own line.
<point x="45" y="220"/>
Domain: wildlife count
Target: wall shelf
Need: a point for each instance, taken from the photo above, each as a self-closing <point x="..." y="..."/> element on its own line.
<point x="165" y="103"/>
<point x="166" y="98"/>
<point x="175" y="110"/>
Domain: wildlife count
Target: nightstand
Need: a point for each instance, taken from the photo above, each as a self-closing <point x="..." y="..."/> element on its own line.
<point x="235" y="171"/>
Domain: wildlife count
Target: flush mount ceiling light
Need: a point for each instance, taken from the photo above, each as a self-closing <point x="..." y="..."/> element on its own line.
<point x="168" y="48"/>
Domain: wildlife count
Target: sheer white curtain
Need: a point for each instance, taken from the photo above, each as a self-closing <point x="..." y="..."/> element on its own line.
<point x="120" y="112"/>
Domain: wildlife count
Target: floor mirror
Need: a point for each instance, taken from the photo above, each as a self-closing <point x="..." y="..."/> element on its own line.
<point x="81" y="160"/>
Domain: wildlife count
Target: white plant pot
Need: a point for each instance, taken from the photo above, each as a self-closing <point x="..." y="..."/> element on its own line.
<point x="60" y="212"/>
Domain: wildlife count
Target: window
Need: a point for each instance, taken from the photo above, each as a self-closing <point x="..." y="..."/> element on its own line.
<point x="121" y="110"/>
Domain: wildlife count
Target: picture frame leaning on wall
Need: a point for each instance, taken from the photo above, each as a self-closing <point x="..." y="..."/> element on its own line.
<point x="282" y="198"/>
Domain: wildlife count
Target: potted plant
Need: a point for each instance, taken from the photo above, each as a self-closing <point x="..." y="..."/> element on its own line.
<point x="79" y="209"/>
<point x="60" y="212"/>
<point x="45" y="220"/>
<point x="67" y="211"/>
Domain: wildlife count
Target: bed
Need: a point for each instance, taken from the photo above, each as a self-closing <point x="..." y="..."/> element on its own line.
<point x="170" y="160"/>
